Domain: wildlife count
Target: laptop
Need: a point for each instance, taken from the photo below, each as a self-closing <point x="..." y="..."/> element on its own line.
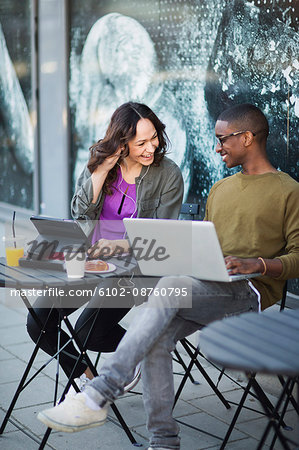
<point x="179" y="247"/>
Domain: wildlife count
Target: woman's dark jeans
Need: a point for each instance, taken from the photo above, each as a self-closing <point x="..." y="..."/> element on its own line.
<point x="105" y="335"/>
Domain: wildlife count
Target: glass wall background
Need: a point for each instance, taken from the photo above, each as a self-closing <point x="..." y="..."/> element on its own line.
<point x="188" y="60"/>
<point x="16" y="104"/>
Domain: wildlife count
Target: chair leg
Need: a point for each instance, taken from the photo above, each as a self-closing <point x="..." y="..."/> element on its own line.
<point x="236" y="415"/>
<point x="83" y="354"/>
<point x="97" y="359"/>
<point x="23" y="383"/>
<point x="124" y="426"/>
<point x="265" y="401"/>
<point x="94" y="371"/>
<point x="291" y="398"/>
<point x="19" y="388"/>
<point x="285" y="406"/>
<point x="45" y="438"/>
<point x="205" y="375"/>
<point x="181" y="362"/>
<point x="183" y="382"/>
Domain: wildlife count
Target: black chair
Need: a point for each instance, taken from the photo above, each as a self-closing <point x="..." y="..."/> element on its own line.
<point x="252" y="388"/>
<point x="24" y="382"/>
<point x="192" y="210"/>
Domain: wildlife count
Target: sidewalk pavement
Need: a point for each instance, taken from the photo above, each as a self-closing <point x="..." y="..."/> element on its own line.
<point x="198" y="406"/>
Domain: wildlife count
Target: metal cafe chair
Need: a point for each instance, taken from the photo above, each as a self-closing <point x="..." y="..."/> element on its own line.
<point x="247" y="389"/>
<point x="25" y="381"/>
<point x="192" y="210"/>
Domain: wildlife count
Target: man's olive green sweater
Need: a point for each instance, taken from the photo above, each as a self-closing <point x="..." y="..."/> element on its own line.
<point x="258" y="215"/>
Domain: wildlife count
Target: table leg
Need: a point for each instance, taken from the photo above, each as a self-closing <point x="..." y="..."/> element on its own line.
<point x="272" y="415"/>
<point x="237" y="413"/>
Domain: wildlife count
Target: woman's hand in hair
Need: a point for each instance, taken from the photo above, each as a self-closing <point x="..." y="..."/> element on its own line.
<point x="106" y="248"/>
<point x="108" y="163"/>
<point x="99" y="175"/>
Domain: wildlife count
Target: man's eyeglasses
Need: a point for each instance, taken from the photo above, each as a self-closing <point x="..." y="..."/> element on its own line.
<point x="222" y="139"/>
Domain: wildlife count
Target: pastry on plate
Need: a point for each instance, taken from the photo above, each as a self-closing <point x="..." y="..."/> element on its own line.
<point x="96" y="266"/>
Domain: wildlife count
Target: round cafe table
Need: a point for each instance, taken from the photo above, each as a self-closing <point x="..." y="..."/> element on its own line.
<point x="266" y="342"/>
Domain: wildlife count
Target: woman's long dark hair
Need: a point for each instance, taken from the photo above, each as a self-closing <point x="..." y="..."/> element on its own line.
<point x="121" y="129"/>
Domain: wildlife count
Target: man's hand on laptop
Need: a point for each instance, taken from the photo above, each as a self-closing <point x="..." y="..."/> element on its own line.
<point x="270" y="267"/>
<point x="106" y="248"/>
<point x="243" y="265"/>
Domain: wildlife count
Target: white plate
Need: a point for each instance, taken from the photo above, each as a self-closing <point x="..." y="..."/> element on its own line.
<point x="111" y="268"/>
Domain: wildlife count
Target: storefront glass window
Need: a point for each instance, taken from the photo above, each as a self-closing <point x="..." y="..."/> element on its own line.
<point x="16" y="117"/>
<point x="188" y="60"/>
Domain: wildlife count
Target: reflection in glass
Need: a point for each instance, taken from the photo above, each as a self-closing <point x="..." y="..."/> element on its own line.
<point x="188" y="60"/>
<point x="118" y="64"/>
<point x="16" y="131"/>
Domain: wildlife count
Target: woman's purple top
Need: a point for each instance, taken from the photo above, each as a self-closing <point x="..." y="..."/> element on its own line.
<point x="115" y="208"/>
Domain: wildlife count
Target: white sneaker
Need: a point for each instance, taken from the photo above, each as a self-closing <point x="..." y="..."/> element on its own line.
<point x="135" y="379"/>
<point x="80" y="382"/>
<point x="73" y="415"/>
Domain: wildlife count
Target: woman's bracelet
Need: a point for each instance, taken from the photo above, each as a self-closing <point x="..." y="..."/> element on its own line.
<point x="264" y="264"/>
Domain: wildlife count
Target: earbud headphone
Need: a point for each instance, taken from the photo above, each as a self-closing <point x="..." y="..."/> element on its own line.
<point x="131" y="284"/>
<point x="126" y="195"/>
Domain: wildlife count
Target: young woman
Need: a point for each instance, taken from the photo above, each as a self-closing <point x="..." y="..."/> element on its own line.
<point x="127" y="175"/>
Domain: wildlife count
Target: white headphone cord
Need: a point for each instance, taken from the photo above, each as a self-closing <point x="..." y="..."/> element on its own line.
<point x="137" y="190"/>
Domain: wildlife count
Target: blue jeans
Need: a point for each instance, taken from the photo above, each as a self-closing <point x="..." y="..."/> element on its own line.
<point x="152" y="337"/>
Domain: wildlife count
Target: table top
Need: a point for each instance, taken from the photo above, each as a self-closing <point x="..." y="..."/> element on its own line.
<point x="266" y="342"/>
<point x="25" y="277"/>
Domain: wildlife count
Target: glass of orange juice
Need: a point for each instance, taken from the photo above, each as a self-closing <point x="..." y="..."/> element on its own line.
<point x="14" y="250"/>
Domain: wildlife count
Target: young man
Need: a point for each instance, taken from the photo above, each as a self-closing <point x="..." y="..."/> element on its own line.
<point x="256" y="215"/>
